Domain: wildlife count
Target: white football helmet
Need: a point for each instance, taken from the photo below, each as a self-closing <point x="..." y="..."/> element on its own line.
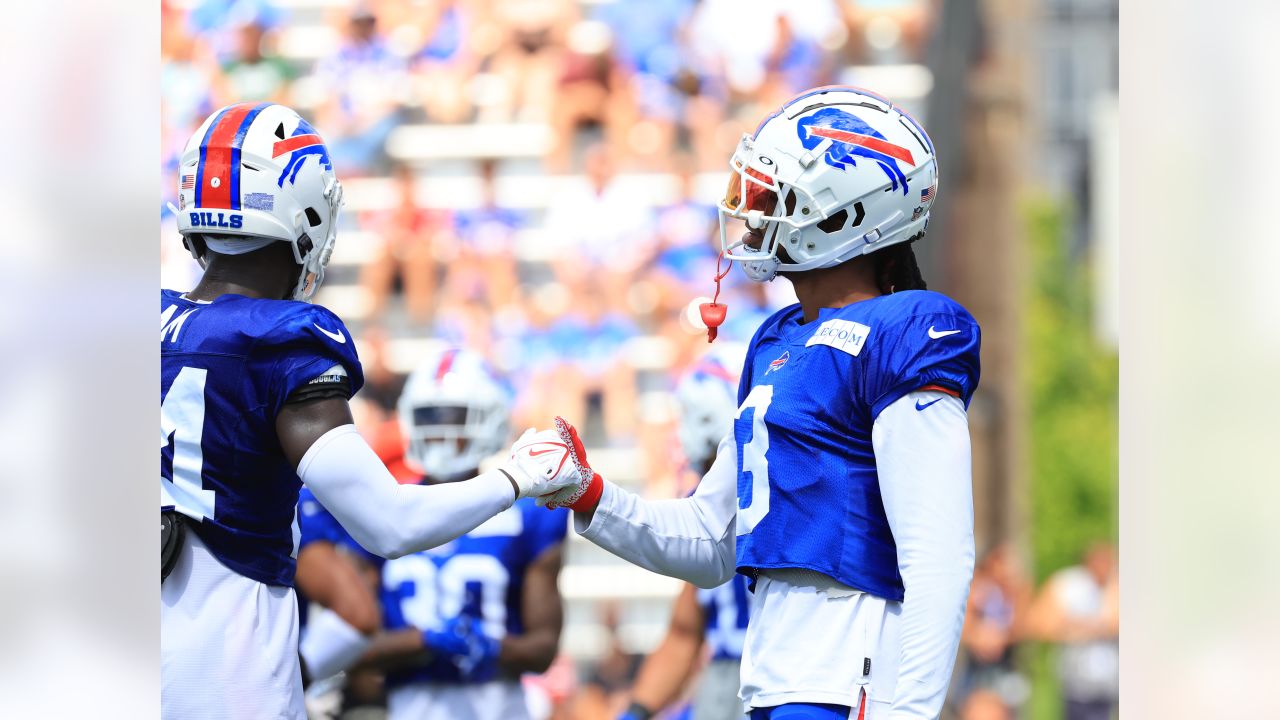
<point x="454" y="412"/>
<point x="708" y="400"/>
<point x="260" y="171"/>
<point x="836" y="173"/>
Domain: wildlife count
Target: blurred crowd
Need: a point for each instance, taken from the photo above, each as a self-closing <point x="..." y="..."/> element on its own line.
<point x="574" y="265"/>
<point x="1076" y="610"/>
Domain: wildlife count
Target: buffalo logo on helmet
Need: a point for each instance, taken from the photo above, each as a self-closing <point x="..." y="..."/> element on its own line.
<point x="304" y="143"/>
<point x="851" y="138"/>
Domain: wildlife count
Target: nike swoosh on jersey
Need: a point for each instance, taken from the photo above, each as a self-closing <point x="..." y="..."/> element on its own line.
<point x="338" y="337"/>
<point x="935" y="334"/>
<point x="921" y="407"/>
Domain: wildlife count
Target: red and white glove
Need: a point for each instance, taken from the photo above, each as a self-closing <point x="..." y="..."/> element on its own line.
<point x="584" y="496"/>
<point x="542" y="463"/>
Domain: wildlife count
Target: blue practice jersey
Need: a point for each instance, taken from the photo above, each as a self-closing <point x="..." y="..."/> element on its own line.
<point x="480" y="574"/>
<point x="727" y="609"/>
<point x="808" y="491"/>
<point x="226" y="368"/>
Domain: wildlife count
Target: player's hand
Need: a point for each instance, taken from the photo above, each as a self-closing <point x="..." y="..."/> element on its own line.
<point x="636" y="712"/>
<point x="462" y="642"/>
<point x="586" y="494"/>
<point x="541" y="463"/>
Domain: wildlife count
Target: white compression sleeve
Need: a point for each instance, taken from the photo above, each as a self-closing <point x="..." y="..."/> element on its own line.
<point x="691" y="538"/>
<point x="329" y="644"/>
<point x="385" y="517"/>
<point x="923" y="460"/>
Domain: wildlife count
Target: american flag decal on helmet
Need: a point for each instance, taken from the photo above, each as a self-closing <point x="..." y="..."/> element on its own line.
<point x="927" y="194"/>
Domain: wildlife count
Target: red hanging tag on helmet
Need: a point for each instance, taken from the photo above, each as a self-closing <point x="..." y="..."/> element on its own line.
<point x="713" y="313"/>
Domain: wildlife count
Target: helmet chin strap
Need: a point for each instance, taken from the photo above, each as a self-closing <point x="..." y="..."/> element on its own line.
<point x="713" y="313"/>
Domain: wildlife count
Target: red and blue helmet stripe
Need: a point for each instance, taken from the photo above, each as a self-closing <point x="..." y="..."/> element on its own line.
<point x="220" y="156"/>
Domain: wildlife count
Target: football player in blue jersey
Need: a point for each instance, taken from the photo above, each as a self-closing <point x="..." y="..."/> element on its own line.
<point x="844" y="491"/>
<point x="253" y="402"/>
<point x="715" y="619"/>
<point x="337" y="585"/>
<point x="464" y="620"/>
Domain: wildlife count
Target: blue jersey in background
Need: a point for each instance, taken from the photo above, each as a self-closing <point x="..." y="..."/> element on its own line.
<point x="480" y="573"/>
<point x="727" y="609"/>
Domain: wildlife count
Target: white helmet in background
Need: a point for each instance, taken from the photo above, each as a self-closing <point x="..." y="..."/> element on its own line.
<point x="708" y="400"/>
<point x="454" y="412"/>
<point x="256" y="173"/>
<point x="836" y="173"/>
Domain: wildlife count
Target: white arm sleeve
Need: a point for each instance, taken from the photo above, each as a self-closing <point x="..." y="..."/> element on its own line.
<point x="385" y="517"/>
<point x="691" y="538"/>
<point x="923" y="460"/>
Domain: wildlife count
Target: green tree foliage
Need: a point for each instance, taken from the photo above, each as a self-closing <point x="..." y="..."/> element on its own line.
<point x="1074" y="389"/>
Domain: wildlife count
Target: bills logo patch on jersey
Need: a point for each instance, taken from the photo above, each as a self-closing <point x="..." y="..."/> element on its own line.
<point x="776" y="365"/>
<point x="844" y="335"/>
<point x="852" y="138"/>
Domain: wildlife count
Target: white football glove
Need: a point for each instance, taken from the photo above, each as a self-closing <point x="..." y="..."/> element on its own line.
<point x="586" y="494"/>
<point x="542" y="463"/>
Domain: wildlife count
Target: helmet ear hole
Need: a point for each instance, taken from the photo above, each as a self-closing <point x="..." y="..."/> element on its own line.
<point x="313" y="217"/>
<point x="789" y="202"/>
<point x="835" y="223"/>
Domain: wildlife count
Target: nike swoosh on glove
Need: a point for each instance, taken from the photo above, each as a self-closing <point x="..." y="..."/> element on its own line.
<point x="541" y="463"/>
<point x="586" y="494"/>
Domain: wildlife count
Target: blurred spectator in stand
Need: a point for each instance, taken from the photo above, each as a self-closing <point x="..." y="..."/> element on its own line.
<point x="486" y="243"/>
<point x="412" y="237"/>
<point x="600" y="230"/>
<point x="795" y="64"/>
<point x="444" y="66"/>
<point x="998" y="600"/>
<point x="251" y="75"/>
<point x="382" y="384"/>
<point x="687" y="236"/>
<point x="374" y="409"/>
<point x="216" y="23"/>
<point x="1078" y="609"/>
<point x="985" y="705"/>
<point x="528" y="57"/>
<point x="604" y="694"/>
<point x="649" y="75"/>
<point x="589" y="93"/>
<point x="593" y="344"/>
<point x="887" y="31"/>
<point x="365" y="83"/>
<point x="186" y="88"/>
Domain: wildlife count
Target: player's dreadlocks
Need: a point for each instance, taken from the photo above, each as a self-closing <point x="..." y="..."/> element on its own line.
<point x="896" y="268"/>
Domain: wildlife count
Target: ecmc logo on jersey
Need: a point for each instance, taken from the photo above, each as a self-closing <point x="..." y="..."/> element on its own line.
<point x="224" y="220"/>
<point x="304" y="143"/>
<point x="851" y="137"/>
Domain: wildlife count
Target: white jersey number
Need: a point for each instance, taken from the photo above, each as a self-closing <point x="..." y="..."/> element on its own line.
<point x="754" y="461"/>
<point x="182" y="423"/>
<point x="439" y="594"/>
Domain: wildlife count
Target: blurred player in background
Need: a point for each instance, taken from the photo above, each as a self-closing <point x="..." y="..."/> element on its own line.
<point x="465" y="619"/>
<point x="254" y="395"/>
<point x="844" y="492"/>
<point x="337" y="583"/>
<point x="715" y="618"/>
